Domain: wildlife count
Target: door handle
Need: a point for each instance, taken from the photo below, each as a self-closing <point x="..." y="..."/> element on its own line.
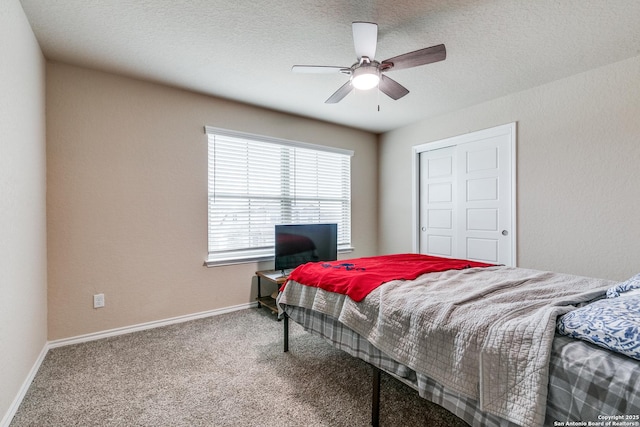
<point x="505" y="233"/>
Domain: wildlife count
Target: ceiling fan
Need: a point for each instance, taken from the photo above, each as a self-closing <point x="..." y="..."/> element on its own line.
<point x="367" y="73"/>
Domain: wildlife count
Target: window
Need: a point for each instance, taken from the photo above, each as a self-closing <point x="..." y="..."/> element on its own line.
<point x="256" y="182"/>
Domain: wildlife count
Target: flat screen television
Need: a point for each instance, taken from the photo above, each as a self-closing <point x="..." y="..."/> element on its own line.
<point x="297" y="244"/>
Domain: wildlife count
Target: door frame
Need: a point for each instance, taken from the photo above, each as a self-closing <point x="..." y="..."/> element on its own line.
<point x="508" y="129"/>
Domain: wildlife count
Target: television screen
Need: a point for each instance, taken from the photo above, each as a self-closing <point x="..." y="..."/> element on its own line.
<point x="297" y="244"/>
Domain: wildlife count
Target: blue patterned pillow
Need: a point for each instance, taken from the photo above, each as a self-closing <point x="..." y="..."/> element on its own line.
<point x="627" y="285"/>
<point x="612" y="323"/>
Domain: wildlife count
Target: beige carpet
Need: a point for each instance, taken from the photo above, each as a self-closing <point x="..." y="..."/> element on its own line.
<point x="227" y="370"/>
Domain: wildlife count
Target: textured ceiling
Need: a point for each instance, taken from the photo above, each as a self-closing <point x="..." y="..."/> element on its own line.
<point x="244" y="50"/>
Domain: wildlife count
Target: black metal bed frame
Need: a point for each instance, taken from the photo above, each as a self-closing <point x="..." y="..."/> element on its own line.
<point x="377" y="372"/>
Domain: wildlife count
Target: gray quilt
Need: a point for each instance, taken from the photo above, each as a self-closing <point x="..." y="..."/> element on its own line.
<point x="484" y="333"/>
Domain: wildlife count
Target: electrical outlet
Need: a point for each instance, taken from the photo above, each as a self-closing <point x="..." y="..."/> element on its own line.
<point x="98" y="300"/>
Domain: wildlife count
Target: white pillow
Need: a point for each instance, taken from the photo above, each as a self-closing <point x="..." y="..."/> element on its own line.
<point x="612" y="323"/>
<point x="626" y="286"/>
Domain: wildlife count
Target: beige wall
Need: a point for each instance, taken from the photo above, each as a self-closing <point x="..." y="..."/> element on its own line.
<point x="578" y="174"/>
<point x="23" y="257"/>
<point x="127" y="198"/>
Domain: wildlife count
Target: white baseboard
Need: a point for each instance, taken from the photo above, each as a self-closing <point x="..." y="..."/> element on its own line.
<point x="6" y="420"/>
<point x="13" y="408"/>
<point x="148" y="325"/>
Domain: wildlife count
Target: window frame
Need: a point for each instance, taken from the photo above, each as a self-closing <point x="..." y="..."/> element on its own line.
<point x="249" y="255"/>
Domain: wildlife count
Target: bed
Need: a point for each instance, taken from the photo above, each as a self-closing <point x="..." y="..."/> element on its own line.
<point x="482" y="341"/>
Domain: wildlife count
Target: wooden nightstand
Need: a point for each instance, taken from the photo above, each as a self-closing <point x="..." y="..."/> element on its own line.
<point x="270" y="276"/>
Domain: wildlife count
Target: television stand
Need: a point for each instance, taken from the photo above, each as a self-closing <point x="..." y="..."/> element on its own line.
<point x="270" y="276"/>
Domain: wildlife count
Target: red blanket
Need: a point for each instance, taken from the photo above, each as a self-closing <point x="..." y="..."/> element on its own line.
<point x="359" y="276"/>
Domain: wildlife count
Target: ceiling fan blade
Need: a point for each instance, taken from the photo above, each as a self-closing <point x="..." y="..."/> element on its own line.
<point x="392" y="88"/>
<point x="319" y="69"/>
<point x="365" y="38"/>
<point x="337" y="96"/>
<point x="416" y="58"/>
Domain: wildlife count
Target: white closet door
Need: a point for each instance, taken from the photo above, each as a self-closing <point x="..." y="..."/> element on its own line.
<point x="484" y="204"/>
<point x="437" y="202"/>
<point x="466" y="196"/>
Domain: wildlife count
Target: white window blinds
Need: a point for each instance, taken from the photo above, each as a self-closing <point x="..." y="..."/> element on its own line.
<point x="257" y="182"/>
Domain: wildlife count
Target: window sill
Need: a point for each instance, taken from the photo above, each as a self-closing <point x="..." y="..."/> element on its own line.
<point x="233" y="261"/>
<point x="246" y="260"/>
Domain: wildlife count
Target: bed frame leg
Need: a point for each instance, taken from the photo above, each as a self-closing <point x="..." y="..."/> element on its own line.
<point x="286" y="332"/>
<point x="375" y="397"/>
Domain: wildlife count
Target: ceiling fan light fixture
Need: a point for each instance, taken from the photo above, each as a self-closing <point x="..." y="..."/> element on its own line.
<point x="366" y="73"/>
<point x="365" y="78"/>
